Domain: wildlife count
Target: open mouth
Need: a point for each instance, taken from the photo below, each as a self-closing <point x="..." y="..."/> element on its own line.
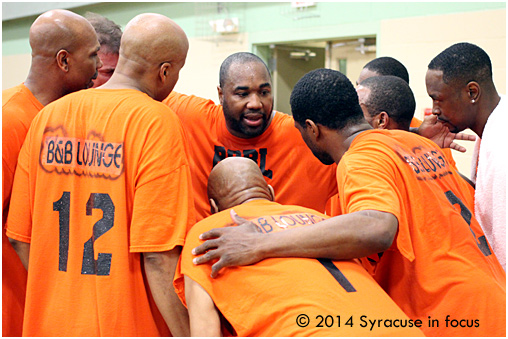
<point x="253" y="119"/>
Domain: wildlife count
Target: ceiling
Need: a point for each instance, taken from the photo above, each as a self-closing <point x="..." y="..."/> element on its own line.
<point x="16" y="10"/>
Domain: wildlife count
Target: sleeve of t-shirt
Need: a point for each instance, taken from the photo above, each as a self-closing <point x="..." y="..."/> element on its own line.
<point x="192" y="109"/>
<point x="198" y="273"/>
<point x="163" y="207"/>
<point x="13" y="135"/>
<point x="368" y="179"/>
<point x="366" y="182"/>
<point x="19" y="222"/>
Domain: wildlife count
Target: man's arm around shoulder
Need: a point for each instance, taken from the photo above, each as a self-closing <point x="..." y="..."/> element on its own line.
<point x="346" y="236"/>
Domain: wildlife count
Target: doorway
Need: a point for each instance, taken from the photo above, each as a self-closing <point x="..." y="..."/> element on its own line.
<point x="290" y="61"/>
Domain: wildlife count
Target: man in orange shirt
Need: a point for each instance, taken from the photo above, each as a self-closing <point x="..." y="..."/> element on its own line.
<point x="64" y="54"/>
<point x="109" y="35"/>
<point x="245" y="124"/>
<point x="279" y="297"/>
<point x="388" y="103"/>
<point x="402" y="213"/>
<point x="102" y="191"/>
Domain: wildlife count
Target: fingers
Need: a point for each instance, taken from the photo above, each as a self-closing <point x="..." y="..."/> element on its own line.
<point x="217" y="267"/>
<point x="206" y="246"/>
<point x="430" y="118"/>
<point x="213" y="233"/>
<point x="464" y="136"/>
<point x="458" y="147"/>
<point x="210" y="255"/>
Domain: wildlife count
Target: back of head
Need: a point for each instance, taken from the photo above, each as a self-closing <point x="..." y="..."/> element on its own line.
<point x="462" y="63"/>
<point x="58" y="29"/>
<point x="392" y="95"/>
<point x="326" y="97"/>
<point x="152" y="47"/>
<point x="235" y="180"/>
<point x="241" y="58"/>
<point x="388" y="66"/>
<point x="64" y="53"/>
<point x="108" y="33"/>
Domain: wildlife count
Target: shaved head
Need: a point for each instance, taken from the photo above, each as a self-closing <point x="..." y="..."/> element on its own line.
<point x="59" y="29"/>
<point x="153" y="50"/>
<point x="64" y="55"/>
<point x="151" y="39"/>
<point x="235" y="180"/>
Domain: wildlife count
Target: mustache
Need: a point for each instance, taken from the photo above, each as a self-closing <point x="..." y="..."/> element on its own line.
<point x="253" y="112"/>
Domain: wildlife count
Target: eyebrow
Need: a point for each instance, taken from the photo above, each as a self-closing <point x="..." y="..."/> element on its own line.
<point x="246" y="88"/>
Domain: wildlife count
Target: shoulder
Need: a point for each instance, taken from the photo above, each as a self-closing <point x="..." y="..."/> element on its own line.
<point x="188" y="106"/>
<point x="374" y="146"/>
<point x="8" y="94"/>
<point x="14" y="98"/>
<point x="284" y="124"/>
<point x="19" y="107"/>
<point x="216" y="220"/>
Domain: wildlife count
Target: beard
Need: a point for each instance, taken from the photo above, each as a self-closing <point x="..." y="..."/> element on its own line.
<point x="239" y="126"/>
<point x="325" y="158"/>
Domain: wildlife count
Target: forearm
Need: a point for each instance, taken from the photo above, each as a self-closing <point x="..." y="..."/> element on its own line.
<point x="23" y="251"/>
<point x="204" y="317"/>
<point x="347" y="236"/>
<point x="160" y="269"/>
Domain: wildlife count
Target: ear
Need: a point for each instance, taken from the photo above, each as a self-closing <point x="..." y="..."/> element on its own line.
<point x="383" y="120"/>
<point x="314" y="129"/>
<point x="213" y="206"/>
<point x="272" y="192"/>
<point x="164" y="70"/>
<point x="219" y="92"/>
<point x="473" y="91"/>
<point x="62" y="60"/>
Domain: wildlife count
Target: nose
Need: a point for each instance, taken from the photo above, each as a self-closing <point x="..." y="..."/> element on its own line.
<point x="435" y="110"/>
<point x="99" y="63"/>
<point x="254" y="102"/>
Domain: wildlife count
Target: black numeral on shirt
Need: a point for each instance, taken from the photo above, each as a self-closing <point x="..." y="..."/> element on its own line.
<point x="337" y="274"/>
<point x="102" y="265"/>
<point x="481" y="242"/>
<point x="62" y="206"/>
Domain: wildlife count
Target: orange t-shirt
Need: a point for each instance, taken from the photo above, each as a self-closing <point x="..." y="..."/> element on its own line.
<point x="19" y="107"/>
<point x="446" y="151"/>
<point x="287" y="164"/>
<point x="440" y="256"/>
<point x="266" y="299"/>
<point x="102" y="177"/>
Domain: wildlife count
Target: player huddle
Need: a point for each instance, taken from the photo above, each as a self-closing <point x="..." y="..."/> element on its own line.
<point x="346" y="223"/>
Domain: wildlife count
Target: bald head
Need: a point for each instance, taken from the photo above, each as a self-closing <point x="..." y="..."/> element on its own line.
<point x="59" y="29"/>
<point x="64" y="54"/>
<point x="151" y="39"/>
<point x="153" y="49"/>
<point x="235" y="180"/>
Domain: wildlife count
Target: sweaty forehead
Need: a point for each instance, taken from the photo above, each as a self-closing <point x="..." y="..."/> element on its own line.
<point x="434" y="80"/>
<point x="365" y="74"/>
<point x="363" y="94"/>
<point x="247" y="74"/>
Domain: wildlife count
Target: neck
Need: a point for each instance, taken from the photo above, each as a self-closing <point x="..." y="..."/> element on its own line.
<point x="347" y="135"/>
<point x="485" y="109"/>
<point x="41" y="89"/>
<point x="119" y="80"/>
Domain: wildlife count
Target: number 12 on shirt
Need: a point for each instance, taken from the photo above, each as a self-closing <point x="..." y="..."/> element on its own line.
<point x="102" y="201"/>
